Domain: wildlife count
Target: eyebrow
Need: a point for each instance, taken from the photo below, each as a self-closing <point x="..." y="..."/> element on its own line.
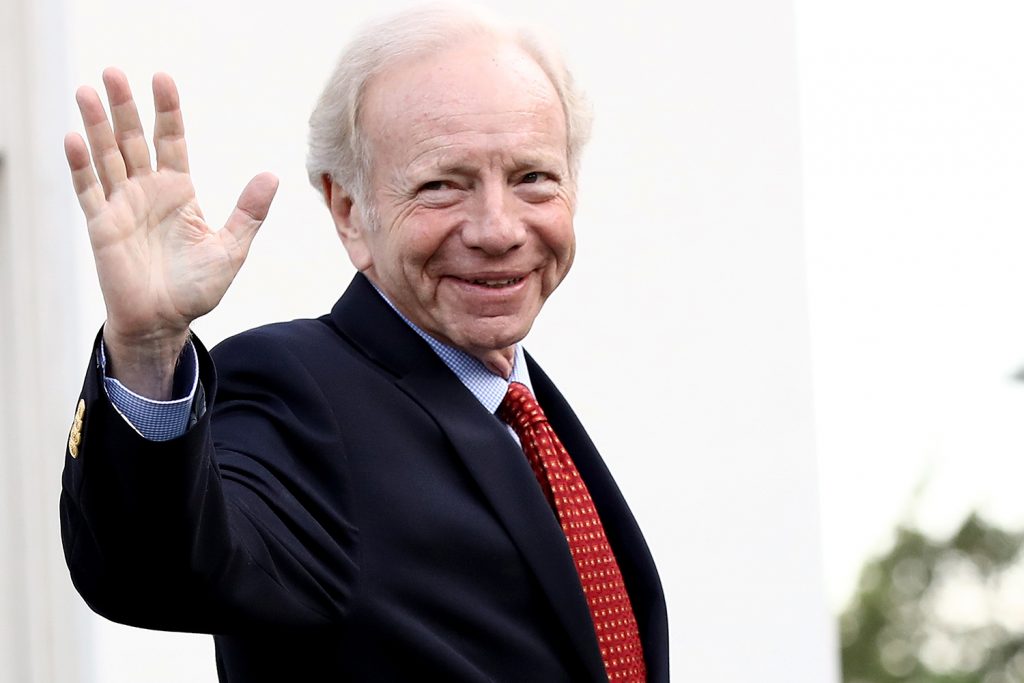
<point x="519" y="163"/>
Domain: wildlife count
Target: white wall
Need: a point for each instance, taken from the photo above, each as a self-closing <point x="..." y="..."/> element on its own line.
<point x="40" y="617"/>
<point x="684" y="317"/>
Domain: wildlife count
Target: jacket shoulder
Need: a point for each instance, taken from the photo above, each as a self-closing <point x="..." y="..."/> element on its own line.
<point x="299" y="335"/>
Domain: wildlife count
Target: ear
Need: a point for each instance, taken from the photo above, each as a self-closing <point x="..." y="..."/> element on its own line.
<point x="349" y="222"/>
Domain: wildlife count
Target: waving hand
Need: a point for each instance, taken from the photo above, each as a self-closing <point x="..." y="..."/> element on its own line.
<point x="159" y="263"/>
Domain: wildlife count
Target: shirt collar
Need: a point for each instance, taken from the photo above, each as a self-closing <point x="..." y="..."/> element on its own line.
<point x="487" y="387"/>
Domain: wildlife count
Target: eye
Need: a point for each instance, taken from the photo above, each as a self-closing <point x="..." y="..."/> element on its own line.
<point x="433" y="186"/>
<point x="439" y="193"/>
<point x="537" y="186"/>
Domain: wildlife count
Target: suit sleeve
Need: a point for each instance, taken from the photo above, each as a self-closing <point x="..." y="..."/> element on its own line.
<point x="157" y="420"/>
<point x="232" y="526"/>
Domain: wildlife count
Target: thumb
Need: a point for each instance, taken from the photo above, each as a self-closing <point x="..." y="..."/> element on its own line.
<point x="250" y="211"/>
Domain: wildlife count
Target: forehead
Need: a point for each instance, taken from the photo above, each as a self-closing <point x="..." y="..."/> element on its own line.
<point x="479" y="94"/>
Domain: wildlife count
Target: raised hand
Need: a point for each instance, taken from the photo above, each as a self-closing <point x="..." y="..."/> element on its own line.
<point x="160" y="266"/>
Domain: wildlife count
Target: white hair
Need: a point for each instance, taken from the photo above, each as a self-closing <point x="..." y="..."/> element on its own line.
<point x="338" y="147"/>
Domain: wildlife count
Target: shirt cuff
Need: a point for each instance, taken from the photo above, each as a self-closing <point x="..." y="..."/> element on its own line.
<point x="156" y="420"/>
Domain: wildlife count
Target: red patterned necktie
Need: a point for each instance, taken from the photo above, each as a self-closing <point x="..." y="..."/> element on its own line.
<point x="614" y="623"/>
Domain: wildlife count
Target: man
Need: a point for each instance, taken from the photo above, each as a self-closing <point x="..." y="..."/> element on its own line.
<point x="373" y="495"/>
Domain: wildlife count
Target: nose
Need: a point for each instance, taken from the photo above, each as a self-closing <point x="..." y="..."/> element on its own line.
<point x="494" y="226"/>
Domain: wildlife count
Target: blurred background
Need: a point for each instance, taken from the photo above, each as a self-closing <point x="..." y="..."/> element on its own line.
<point x="800" y="231"/>
<point x="913" y="163"/>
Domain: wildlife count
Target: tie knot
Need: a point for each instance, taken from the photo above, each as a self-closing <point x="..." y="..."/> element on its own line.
<point x="519" y="408"/>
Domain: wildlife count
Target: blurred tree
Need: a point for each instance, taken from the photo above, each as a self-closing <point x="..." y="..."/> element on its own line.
<point x="939" y="611"/>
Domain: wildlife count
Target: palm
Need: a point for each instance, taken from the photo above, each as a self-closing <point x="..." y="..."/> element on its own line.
<point x="155" y="254"/>
<point x="160" y="265"/>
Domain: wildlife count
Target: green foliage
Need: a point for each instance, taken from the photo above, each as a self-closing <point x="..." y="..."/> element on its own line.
<point x="939" y="611"/>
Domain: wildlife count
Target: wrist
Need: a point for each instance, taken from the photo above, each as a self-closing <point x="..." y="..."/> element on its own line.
<point x="145" y="364"/>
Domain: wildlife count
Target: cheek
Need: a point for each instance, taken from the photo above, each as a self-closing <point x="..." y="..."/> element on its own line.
<point x="422" y="239"/>
<point x="561" y="238"/>
<point x="571" y="256"/>
<point x="568" y="241"/>
<point x="560" y="241"/>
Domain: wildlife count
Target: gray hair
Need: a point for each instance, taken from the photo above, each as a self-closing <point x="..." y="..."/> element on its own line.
<point x="338" y="146"/>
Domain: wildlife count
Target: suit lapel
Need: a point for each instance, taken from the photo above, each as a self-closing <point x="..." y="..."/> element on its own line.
<point x="485" y="447"/>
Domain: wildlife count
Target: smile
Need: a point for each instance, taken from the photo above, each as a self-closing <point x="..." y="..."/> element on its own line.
<point x="496" y="283"/>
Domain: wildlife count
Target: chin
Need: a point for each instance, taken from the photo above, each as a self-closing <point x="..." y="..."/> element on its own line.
<point x="487" y="338"/>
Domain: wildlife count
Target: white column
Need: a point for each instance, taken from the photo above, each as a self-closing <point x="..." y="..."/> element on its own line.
<point x="39" y="614"/>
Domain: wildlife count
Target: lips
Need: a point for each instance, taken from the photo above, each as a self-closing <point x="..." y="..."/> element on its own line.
<point x="492" y="280"/>
<point x="496" y="283"/>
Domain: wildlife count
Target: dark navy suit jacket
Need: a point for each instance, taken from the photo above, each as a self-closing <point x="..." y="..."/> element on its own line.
<point x="346" y="510"/>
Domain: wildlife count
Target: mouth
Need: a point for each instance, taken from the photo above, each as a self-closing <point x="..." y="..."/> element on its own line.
<point x="495" y="283"/>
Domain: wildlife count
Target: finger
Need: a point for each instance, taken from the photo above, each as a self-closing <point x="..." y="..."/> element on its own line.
<point x="169" y="132"/>
<point x="131" y="140"/>
<point x="105" y="154"/>
<point x="87" y="187"/>
<point x="249" y="214"/>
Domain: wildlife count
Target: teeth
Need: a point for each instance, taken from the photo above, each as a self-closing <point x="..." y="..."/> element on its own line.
<point x="497" y="283"/>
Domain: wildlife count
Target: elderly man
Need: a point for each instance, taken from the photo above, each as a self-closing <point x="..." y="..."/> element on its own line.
<point x="394" y="491"/>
